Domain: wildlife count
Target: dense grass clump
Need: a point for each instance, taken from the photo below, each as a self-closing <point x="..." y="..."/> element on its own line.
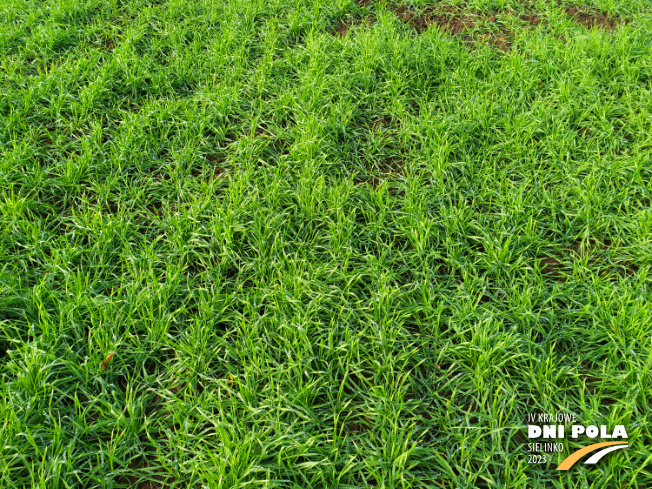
<point x="311" y="243"/>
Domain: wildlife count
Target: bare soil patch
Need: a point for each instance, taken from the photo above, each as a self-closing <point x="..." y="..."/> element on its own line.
<point x="454" y="21"/>
<point x="344" y="26"/>
<point x="591" y="19"/>
<point x="449" y="19"/>
<point x="530" y="18"/>
<point x="552" y="268"/>
<point x="598" y="260"/>
<point x="459" y="23"/>
<point x="342" y="29"/>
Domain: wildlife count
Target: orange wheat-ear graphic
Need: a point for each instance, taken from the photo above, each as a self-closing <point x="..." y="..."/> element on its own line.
<point x="574" y="457"/>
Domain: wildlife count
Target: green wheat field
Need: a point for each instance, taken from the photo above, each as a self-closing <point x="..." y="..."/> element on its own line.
<point x="322" y="243"/>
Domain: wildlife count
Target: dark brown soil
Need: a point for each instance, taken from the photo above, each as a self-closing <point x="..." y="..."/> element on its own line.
<point x="454" y="24"/>
<point x="388" y="169"/>
<point x="220" y="172"/>
<point x="458" y="22"/>
<point x="382" y="122"/>
<point x="503" y="41"/>
<point x="108" y="46"/>
<point x="626" y="269"/>
<point x="592" y="19"/>
<point x="532" y="19"/>
<point x="552" y="268"/>
<point x="392" y="167"/>
<point x="598" y="262"/>
<point x="213" y="158"/>
<point x="345" y="26"/>
<point x="448" y="19"/>
<point x="342" y="29"/>
<point x="353" y="427"/>
<point x="410" y="16"/>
